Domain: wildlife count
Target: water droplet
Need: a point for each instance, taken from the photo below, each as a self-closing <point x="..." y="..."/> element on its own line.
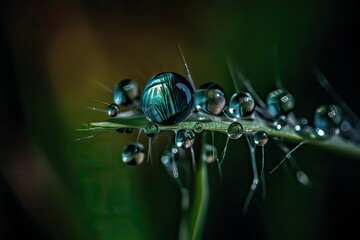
<point x="129" y="130"/>
<point x="133" y="154"/>
<point x="235" y="130"/>
<point x="198" y="127"/>
<point x="211" y="98"/>
<point x="151" y="129"/>
<point x="167" y="98"/>
<point x="327" y="119"/>
<point x="120" y="130"/>
<point x="303" y="178"/>
<point x="241" y="104"/>
<point x="170" y="159"/>
<point x="347" y="130"/>
<point x="125" y="92"/>
<point x="185" y="138"/>
<point x="301" y="125"/>
<point x="113" y="110"/>
<point x="261" y="138"/>
<point x="304" y="129"/>
<point x="209" y="153"/>
<point x="279" y="102"/>
<point x="279" y="122"/>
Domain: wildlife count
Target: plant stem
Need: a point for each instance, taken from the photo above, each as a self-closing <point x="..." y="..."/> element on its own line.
<point x="201" y="200"/>
<point x="334" y="143"/>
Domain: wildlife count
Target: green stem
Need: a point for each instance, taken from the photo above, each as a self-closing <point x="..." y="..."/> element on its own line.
<point x="334" y="143"/>
<point x="201" y="199"/>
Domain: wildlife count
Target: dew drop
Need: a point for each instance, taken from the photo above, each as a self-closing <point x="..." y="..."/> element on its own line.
<point x="303" y="178"/>
<point x="129" y="130"/>
<point x="347" y="130"/>
<point x="279" y="102"/>
<point x="185" y="138"/>
<point x="211" y="98"/>
<point x="209" y="153"/>
<point x="133" y="154"/>
<point x="170" y="159"/>
<point x="151" y="129"/>
<point x="261" y="138"/>
<point x="279" y="122"/>
<point x="241" y="104"/>
<point x="303" y="128"/>
<point x="327" y="119"/>
<point x="301" y="125"/>
<point x="167" y="98"/>
<point x="198" y="127"/>
<point x="235" y="130"/>
<point x="120" y="130"/>
<point x="113" y="110"/>
<point x="125" y="92"/>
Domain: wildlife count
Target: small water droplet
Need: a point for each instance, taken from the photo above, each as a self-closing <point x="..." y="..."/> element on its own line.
<point x="327" y="119"/>
<point x="167" y="98"/>
<point x="261" y="138"/>
<point x="209" y="153"/>
<point x="113" y="110"/>
<point x="304" y="129"/>
<point x="129" y="130"/>
<point x="198" y="127"/>
<point x="185" y="138"/>
<point x="211" y="98"/>
<point x="133" y="154"/>
<point x="241" y="104"/>
<point x="279" y="122"/>
<point x="125" y="92"/>
<point x="302" y="178"/>
<point x="151" y="129"/>
<point x="170" y="160"/>
<point x="347" y="130"/>
<point x="279" y="102"/>
<point x="235" y="130"/>
<point x="120" y="130"/>
<point x="301" y="124"/>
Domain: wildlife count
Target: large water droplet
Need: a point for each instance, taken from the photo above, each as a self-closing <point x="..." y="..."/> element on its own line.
<point x="235" y="130"/>
<point x="209" y="153"/>
<point x="133" y="154"/>
<point x="279" y="102"/>
<point x="113" y="110"/>
<point x="167" y="98"/>
<point x="327" y="119"/>
<point x="125" y="92"/>
<point x="261" y="138"/>
<point x="151" y="129"/>
<point x="241" y="104"/>
<point x="211" y="98"/>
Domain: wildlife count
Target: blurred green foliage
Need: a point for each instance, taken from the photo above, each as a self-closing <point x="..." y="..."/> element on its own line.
<point x="53" y="55"/>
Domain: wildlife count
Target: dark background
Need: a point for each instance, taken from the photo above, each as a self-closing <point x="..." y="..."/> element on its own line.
<point x="52" y="53"/>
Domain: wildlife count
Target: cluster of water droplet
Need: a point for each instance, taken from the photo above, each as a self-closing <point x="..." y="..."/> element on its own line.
<point x="169" y="98"/>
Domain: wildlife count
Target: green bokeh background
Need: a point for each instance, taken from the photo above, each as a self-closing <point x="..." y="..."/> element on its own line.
<point x="53" y="57"/>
